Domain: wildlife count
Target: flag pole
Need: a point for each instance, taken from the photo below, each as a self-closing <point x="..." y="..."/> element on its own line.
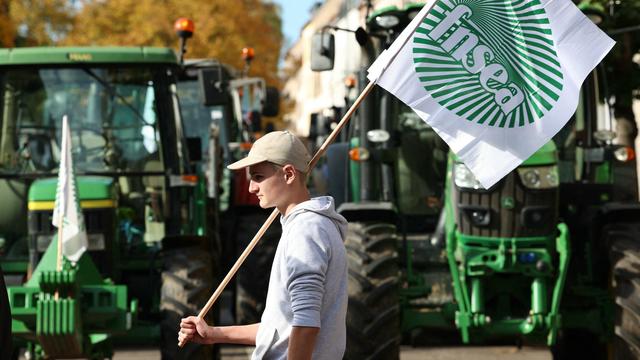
<point x="328" y="141"/>
<point x="59" y="254"/>
<point x="56" y="295"/>
<point x="61" y="222"/>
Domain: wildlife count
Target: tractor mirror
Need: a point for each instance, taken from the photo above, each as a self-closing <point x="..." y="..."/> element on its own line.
<point x="271" y="106"/>
<point x="194" y="146"/>
<point x="322" y="51"/>
<point x="211" y="87"/>
<point x="361" y="36"/>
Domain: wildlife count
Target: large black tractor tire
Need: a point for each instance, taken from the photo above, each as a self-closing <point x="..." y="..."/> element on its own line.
<point x="373" y="315"/>
<point x="187" y="284"/>
<point x="252" y="279"/>
<point x="624" y="242"/>
<point x="578" y="344"/>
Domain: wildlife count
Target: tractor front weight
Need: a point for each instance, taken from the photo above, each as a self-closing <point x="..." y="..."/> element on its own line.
<point x="72" y="312"/>
<point x="495" y="278"/>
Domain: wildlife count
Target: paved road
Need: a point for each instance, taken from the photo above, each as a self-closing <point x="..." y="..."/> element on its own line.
<point x="407" y="353"/>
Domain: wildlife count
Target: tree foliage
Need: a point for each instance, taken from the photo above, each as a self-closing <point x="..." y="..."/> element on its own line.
<point x="223" y="28"/>
<point x="7" y="28"/>
<point x="32" y="23"/>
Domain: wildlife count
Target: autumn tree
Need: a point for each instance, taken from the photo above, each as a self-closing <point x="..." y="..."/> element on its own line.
<point x="7" y="27"/>
<point x="223" y="28"/>
<point x="33" y="23"/>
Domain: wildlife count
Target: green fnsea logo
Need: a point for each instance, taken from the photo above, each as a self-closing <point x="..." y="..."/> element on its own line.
<point x="492" y="62"/>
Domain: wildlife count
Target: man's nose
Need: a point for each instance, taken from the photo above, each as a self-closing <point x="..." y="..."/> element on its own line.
<point x="253" y="187"/>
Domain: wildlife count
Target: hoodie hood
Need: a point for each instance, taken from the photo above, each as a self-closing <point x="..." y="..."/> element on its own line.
<point x="323" y="205"/>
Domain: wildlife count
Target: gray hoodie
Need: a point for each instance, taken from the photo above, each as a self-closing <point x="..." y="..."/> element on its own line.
<point x="308" y="283"/>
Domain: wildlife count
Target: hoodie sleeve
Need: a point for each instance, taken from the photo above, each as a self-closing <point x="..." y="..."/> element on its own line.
<point x="307" y="257"/>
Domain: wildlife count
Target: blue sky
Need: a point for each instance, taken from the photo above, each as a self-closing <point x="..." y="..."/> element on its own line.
<point x="295" y="13"/>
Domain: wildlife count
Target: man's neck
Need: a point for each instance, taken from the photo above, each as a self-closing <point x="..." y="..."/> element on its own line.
<point x="302" y="196"/>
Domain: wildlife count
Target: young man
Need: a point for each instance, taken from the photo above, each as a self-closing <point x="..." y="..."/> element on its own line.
<point x="306" y="307"/>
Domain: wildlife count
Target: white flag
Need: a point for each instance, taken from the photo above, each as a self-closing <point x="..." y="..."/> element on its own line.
<point x="67" y="208"/>
<point x="495" y="79"/>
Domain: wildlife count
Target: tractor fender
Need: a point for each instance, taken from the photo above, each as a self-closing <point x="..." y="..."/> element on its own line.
<point x="369" y="211"/>
<point x="619" y="212"/>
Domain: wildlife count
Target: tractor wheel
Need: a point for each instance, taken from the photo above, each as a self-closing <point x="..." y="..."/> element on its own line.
<point x="373" y="315"/>
<point x="252" y="279"/>
<point x="624" y="242"/>
<point x="187" y="284"/>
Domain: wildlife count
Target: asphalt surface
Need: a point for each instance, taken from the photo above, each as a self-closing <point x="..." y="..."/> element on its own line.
<point x="407" y="353"/>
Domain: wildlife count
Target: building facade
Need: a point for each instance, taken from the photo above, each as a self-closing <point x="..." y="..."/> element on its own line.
<point x="318" y="97"/>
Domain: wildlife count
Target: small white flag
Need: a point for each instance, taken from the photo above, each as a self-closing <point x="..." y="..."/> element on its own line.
<point x="67" y="207"/>
<point x="495" y="79"/>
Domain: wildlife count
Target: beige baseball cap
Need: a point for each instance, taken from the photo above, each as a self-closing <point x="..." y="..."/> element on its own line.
<point x="278" y="147"/>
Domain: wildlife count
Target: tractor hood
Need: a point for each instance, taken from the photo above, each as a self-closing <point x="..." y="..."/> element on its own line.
<point x="42" y="193"/>
<point x="546" y="155"/>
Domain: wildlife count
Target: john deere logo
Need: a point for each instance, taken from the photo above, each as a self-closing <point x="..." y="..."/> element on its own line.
<point x="491" y="62"/>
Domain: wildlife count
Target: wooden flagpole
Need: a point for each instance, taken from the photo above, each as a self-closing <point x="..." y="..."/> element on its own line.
<point x="56" y="295"/>
<point x="59" y="255"/>
<point x="330" y="139"/>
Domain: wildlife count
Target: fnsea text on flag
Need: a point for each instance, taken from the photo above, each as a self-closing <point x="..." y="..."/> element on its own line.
<point x="495" y="79"/>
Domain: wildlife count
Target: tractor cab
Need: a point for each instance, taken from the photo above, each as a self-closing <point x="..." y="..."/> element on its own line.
<point x="135" y="185"/>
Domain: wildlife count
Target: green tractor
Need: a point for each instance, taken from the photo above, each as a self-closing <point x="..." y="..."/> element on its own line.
<point x="224" y="108"/>
<point x="152" y="250"/>
<point x="545" y="256"/>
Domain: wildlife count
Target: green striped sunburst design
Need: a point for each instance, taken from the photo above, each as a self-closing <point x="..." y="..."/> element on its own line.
<point x="492" y="62"/>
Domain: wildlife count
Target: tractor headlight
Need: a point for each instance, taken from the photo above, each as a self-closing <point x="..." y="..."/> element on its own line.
<point x="477" y="215"/>
<point x="378" y="136"/>
<point x="387" y="21"/>
<point x="464" y="178"/>
<point x="624" y="154"/>
<point x="543" y="177"/>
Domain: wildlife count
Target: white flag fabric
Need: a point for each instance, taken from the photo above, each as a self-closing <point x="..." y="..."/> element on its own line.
<point x="495" y="79"/>
<point x="67" y="207"/>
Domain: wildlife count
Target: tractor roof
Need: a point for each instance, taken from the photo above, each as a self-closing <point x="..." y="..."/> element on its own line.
<point x="195" y="64"/>
<point x="77" y="55"/>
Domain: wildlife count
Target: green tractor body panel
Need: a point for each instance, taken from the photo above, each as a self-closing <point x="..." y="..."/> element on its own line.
<point x="354" y="173"/>
<point x="86" y="55"/>
<point x="546" y="155"/>
<point x="89" y="188"/>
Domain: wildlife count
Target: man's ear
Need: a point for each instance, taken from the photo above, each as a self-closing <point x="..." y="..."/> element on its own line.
<point x="289" y="173"/>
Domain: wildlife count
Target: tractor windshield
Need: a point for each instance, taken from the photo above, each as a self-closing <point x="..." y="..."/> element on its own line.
<point x="198" y="118"/>
<point x="111" y="111"/>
